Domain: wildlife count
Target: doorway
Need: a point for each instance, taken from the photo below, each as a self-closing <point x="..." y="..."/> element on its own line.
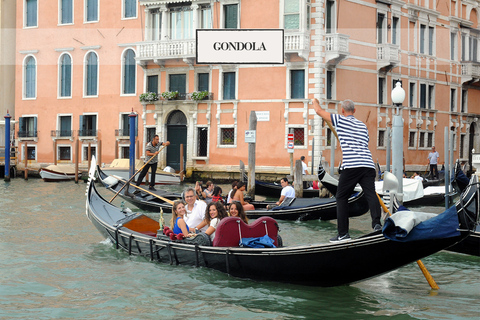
<point x="177" y="135"/>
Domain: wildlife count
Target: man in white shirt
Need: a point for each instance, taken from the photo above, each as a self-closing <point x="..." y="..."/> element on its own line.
<point x="304" y="171"/>
<point x="195" y="215"/>
<point x="433" y="161"/>
<point x="287" y="191"/>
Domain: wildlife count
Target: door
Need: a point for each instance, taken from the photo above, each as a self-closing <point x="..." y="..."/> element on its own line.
<point x="177" y="135"/>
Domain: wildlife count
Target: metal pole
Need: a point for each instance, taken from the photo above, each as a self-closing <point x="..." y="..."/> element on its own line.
<point x="447" y="173"/>
<point x="131" y="118"/>
<point x="7" y="147"/>
<point x="397" y="150"/>
<point x="251" y="156"/>
<point x="313" y="155"/>
<point x="389" y="149"/>
<point x="332" y="153"/>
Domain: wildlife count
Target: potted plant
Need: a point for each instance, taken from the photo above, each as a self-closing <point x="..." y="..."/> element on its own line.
<point x="148" y="97"/>
<point x="199" y="95"/>
<point x="170" y="95"/>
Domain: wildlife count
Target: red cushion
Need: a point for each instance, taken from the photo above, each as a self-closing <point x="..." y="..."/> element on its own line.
<point x="227" y="233"/>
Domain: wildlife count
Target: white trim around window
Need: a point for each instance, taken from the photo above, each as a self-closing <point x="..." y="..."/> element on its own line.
<point x="122" y="73"/>
<point x="59" y="68"/>
<point x="124" y="12"/>
<point x="58" y="152"/>
<point x="224" y="3"/>
<point x="24" y="75"/>
<point x="219" y="136"/>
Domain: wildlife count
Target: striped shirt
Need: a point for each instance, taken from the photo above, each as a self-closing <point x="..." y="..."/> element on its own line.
<point x="353" y="136"/>
<point x="152" y="149"/>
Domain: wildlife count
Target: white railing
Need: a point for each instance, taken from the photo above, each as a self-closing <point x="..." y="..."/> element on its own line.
<point x="296" y="41"/>
<point x="166" y="49"/>
<point x="336" y="42"/>
<point x="471" y="69"/>
<point x="388" y="52"/>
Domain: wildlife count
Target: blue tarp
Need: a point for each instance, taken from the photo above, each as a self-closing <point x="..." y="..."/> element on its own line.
<point x="260" y="242"/>
<point x="444" y="225"/>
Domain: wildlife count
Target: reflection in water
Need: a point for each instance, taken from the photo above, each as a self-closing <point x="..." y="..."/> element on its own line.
<point x="55" y="265"/>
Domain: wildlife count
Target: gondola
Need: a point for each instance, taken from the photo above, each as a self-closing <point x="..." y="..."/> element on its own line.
<point x="273" y="190"/>
<point x="54" y="173"/>
<point x="146" y="200"/>
<point x="314" y="265"/>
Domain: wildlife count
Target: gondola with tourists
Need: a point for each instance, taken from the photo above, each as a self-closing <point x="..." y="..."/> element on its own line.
<point x="315" y="264"/>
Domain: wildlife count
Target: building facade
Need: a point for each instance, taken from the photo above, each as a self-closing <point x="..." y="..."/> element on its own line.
<point x="81" y="66"/>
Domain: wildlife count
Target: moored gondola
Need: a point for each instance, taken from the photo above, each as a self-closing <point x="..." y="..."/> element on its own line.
<point x="315" y="265"/>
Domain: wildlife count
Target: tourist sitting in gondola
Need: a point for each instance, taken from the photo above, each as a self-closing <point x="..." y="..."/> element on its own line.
<point x="177" y="224"/>
<point x="236" y="210"/>
<point x="208" y="192"/>
<point x="214" y="213"/>
<point x="198" y="191"/>
<point x="232" y="192"/>
<point x="238" y="196"/>
<point x="217" y="194"/>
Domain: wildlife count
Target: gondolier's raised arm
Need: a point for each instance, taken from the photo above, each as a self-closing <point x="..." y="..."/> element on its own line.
<point x="322" y="113"/>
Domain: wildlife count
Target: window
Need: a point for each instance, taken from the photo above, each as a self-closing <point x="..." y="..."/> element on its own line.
<point x="91" y="71"/>
<point x="382" y="90"/>
<point x="453" y="99"/>
<point x="31" y="153"/>
<point x="231" y="16"/>
<point x="453" y="46"/>
<point x="431" y="96"/>
<point x="381" y="30"/>
<point x="178" y="82"/>
<point x="202" y="84"/>
<point x="412" y="94"/>
<point x="297" y="85"/>
<point x="30" y="77"/>
<point x="381" y="138"/>
<point x="129" y="8"/>
<point x="202" y="141"/>
<point x="330" y="84"/>
<point x="423" y="95"/>
<point x="64" y="153"/>
<point x="395" y="30"/>
<point x="421" y="141"/>
<point x="65" y="75"/>
<point x="464" y="47"/>
<point x="88" y="126"/>
<point x="291" y="14"/>
<point x="156" y="24"/>
<point x="431" y="38"/>
<point x="181" y="22"/>
<point x="206" y="16"/>
<point x="298" y="136"/>
<point x="330" y="16"/>
<point x="129" y="72"/>
<point x="31" y="14"/>
<point x="227" y="136"/>
<point x="66" y="11"/>
<point x="463" y="153"/>
<point x="151" y="132"/>
<point x="464" y="101"/>
<point x="152" y="83"/>
<point x="124" y="152"/>
<point x="91" y="10"/>
<point x="473" y="43"/>
<point x="125" y="125"/>
<point x="329" y="137"/>
<point x="93" y="152"/>
<point x="228" y="85"/>
<point x="411" y="139"/>
<point x="27" y="127"/>
<point x="430" y="140"/>
<point x="65" y="126"/>
<point x="423" y="29"/>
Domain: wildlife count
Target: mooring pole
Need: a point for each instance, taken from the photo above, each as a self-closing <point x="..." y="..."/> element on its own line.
<point x="76" y="160"/>
<point x="132" y="119"/>
<point x="7" y="147"/>
<point x="447" y="167"/>
<point x="182" y="165"/>
<point x="251" y="156"/>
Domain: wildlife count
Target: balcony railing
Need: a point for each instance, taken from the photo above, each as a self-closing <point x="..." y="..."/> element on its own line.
<point x="336" y="48"/>
<point x="388" y="55"/>
<point x="61" y="133"/>
<point x="27" y="134"/>
<point x="87" y="133"/>
<point x="470" y="70"/>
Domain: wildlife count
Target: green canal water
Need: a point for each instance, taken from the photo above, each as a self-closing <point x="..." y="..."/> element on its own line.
<point x="55" y="265"/>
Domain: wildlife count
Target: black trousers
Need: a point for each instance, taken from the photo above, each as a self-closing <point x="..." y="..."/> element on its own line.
<point x="347" y="182"/>
<point x="433" y="171"/>
<point x="144" y="172"/>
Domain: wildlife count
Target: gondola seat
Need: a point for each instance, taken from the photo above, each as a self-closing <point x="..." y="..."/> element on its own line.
<point x="231" y="229"/>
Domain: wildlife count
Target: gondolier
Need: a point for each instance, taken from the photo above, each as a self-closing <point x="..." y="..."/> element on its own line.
<point x="357" y="165"/>
<point x="433" y="161"/>
<point x="152" y="150"/>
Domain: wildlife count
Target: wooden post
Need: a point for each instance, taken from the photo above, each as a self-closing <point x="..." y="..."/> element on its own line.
<point x="137" y="149"/>
<point x="251" y="156"/>
<point x="181" y="163"/>
<point x="291" y="164"/>
<point x="55" y="152"/>
<point x="99" y="154"/>
<point x="116" y="149"/>
<point x="298" y="179"/>
<point x="26" y="160"/>
<point x="242" y="171"/>
<point x="76" y="161"/>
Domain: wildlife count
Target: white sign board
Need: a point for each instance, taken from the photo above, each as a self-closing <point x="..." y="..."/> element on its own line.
<point x="263" y="115"/>
<point x="250" y="136"/>
<point x="476" y="160"/>
<point x="236" y="46"/>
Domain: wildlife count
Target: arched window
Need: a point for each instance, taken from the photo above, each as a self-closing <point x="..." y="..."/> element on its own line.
<point x="91" y="74"/>
<point x="129" y="72"/>
<point x="30" y="80"/>
<point x="65" y="76"/>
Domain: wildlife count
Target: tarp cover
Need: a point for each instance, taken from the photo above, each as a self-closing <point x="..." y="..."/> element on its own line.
<point x="260" y="242"/>
<point x="407" y="226"/>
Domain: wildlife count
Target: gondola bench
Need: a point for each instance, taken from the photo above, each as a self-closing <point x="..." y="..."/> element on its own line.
<point x="231" y="229"/>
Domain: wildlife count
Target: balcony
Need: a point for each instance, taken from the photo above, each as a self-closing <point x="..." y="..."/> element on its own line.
<point x="27" y="134"/>
<point x="62" y="134"/>
<point x="297" y="43"/>
<point x="336" y="48"/>
<point x="87" y="133"/>
<point x="388" y="56"/>
<point x="470" y="71"/>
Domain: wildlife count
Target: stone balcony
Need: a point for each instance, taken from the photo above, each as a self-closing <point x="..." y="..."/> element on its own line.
<point x="470" y="71"/>
<point x="388" y="56"/>
<point x="336" y="48"/>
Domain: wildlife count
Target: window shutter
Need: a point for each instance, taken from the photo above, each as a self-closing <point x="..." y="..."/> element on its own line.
<point x="35" y="126"/>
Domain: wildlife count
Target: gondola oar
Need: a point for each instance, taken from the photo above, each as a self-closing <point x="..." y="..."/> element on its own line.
<point x="424" y="270"/>
<point x="149" y="192"/>
<point x="131" y="178"/>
